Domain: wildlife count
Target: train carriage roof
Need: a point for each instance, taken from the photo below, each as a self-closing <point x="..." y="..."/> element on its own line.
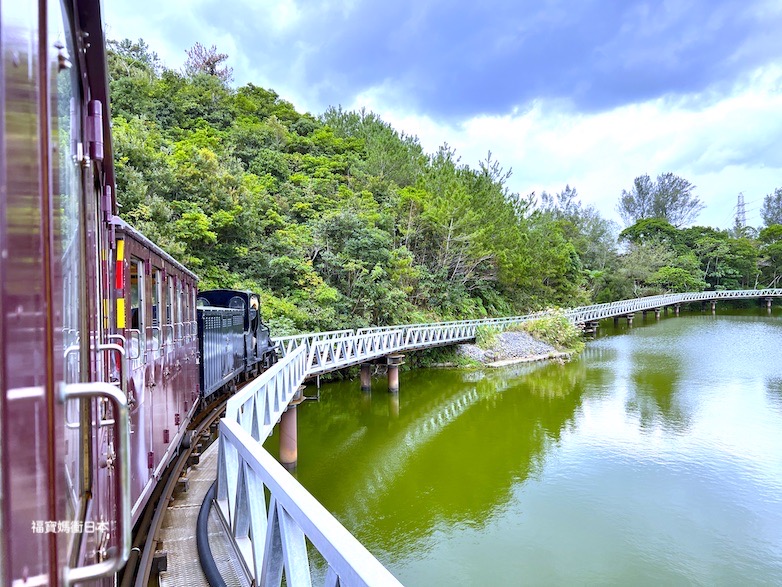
<point x="127" y="229"/>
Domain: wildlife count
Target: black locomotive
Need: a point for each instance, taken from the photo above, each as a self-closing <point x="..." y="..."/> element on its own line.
<point x="233" y="341"/>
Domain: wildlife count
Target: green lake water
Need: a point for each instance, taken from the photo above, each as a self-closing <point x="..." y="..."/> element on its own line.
<point x="655" y="458"/>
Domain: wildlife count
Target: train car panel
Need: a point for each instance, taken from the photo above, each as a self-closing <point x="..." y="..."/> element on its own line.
<point x="24" y="388"/>
<point x="52" y="317"/>
<point x="221" y="343"/>
<point x="162" y="356"/>
<point x="88" y="304"/>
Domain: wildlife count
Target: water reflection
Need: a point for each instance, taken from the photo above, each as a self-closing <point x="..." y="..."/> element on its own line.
<point x="653" y="458"/>
<point x="446" y="451"/>
<point x="654" y="396"/>
<point x="774" y="392"/>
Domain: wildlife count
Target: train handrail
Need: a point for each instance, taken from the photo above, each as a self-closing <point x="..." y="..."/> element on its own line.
<point x="141" y="343"/>
<point x="122" y="496"/>
<point x="181" y="327"/>
<point x="159" y="339"/>
<point x="123" y="369"/>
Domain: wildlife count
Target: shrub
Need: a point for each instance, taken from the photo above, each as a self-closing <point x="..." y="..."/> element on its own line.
<point x="557" y="330"/>
<point x="486" y="336"/>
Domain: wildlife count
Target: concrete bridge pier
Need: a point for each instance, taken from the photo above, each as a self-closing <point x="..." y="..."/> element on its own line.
<point x="366" y="376"/>
<point x="677" y="308"/>
<point x="591" y="327"/>
<point x="289" y="446"/>
<point x="657" y="313"/>
<point x="629" y="319"/>
<point x="768" y="304"/>
<point x="394" y="361"/>
<point x="714" y="306"/>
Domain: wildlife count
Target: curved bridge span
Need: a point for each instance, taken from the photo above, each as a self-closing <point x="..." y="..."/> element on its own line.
<point x="273" y="540"/>
<point x="334" y="350"/>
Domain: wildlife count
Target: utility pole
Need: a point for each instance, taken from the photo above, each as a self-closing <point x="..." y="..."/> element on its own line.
<point x="741" y="212"/>
<point x="741" y="216"/>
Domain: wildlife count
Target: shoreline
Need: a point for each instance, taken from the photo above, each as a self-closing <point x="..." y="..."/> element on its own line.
<point x="555" y="355"/>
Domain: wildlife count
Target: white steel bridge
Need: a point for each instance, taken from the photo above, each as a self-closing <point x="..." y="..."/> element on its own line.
<point x="273" y="540"/>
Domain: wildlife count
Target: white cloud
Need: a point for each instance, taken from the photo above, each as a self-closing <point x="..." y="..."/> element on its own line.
<point x="725" y="147"/>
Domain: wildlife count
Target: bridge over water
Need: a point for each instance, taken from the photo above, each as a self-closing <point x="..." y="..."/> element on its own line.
<point x="272" y="540"/>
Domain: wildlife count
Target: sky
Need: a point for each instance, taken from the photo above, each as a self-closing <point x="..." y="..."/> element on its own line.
<point x="586" y="93"/>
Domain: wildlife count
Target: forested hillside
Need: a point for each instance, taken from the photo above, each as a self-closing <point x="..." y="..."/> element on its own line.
<point x="341" y="221"/>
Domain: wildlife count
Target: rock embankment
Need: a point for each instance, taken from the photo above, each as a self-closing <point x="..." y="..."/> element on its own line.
<point x="509" y="348"/>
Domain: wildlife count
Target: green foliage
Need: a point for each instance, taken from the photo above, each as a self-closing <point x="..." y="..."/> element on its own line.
<point x="772" y="208"/>
<point x="676" y="279"/>
<point x="440" y="357"/>
<point x="557" y="330"/>
<point x="342" y="221"/>
<point x="486" y="336"/>
<point x="670" y="198"/>
<point x="650" y="228"/>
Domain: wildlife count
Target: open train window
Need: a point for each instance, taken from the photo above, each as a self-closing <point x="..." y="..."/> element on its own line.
<point x="137" y="317"/>
<point x="168" y="327"/>
<point x="157" y="294"/>
<point x="255" y="306"/>
<point x="188" y="319"/>
<point x="180" y="310"/>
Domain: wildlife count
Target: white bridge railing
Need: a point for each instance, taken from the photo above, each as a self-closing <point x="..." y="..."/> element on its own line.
<point x="334" y="350"/>
<point x="272" y="541"/>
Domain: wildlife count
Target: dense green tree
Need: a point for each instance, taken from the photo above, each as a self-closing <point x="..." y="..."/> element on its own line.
<point x="651" y="229"/>
<point x="771" y="251"/>
<point x="341" y="220"/>
<point x="669" y="198"/>
<point x="592" y="237"/>
<point x="771" y="212"/>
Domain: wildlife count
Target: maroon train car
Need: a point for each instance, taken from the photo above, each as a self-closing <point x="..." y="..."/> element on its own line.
<point x="98" y="349"/>
<point x="155" y="298"/>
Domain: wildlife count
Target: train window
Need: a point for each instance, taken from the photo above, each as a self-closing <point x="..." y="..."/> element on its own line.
<point x="137" y="317"/>
<point x="236" y="302"/>
<point x="65" y="147"/>
<point x="157" y="289"/>
<point x="170" y="303"/>
<point x="180" y="309"/>
<point x="66" y="187"/>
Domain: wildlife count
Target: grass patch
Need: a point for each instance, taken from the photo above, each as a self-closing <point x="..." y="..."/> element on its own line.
<point x="439" y="356"/>
<point x="486" y="336"/>
<point x="557" y="330"/>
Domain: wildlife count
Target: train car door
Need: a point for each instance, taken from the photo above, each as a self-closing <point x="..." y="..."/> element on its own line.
<point x="29" y="461"/>
<point x="51" y="339"/>
<point x="138" y="343"/>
